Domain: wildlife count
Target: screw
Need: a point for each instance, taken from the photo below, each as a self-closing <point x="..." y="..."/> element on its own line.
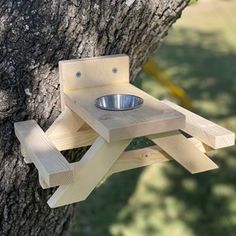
<point x="114" y="70"/>
<point x="78" y="74"/>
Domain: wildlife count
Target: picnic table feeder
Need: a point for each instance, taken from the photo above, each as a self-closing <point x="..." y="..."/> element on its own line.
<point x="89" y="118"/>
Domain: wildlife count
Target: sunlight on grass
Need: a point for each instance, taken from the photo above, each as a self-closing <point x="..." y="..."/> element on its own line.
<point x="151" y="210"/>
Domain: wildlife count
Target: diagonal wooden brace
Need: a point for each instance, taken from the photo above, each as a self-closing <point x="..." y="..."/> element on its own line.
<point x="89" y="171"/>
<point x="183" y="151"/>
<point x="66" y="123"/>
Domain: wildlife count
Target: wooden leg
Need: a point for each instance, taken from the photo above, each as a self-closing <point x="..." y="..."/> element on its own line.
<point x="184" y="152"/>
<point x="66" y="122"/>
<point x="69" y="131"/>
<point x="89" y="171"/>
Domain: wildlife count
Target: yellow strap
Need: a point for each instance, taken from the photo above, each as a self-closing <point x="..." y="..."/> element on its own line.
<point x="153" y="70"/>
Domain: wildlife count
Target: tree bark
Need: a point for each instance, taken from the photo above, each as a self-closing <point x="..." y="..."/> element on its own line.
<point x="35" y="35"/>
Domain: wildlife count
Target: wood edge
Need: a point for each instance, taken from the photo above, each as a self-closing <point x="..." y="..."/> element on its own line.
<point x="62" y="62"/>
<point x="219" y="141"/>
<point x="113" y="132"/>
<point x="60" y="178"/>
<point x="229" y="140"/>
<point x="204" y="163"/>
<point x="51" y="178"/>
<point x="104" y="130"/>
<point x="208" y="169"/>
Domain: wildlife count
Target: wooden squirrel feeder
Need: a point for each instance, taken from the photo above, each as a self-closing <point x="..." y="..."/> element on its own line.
<point x="81" y="123"/>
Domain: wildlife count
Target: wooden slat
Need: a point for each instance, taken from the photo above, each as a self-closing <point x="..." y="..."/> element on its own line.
<point x="152" y="117"/>
<point x="52" y="166"/>
<point x="88" y="172"/>
<point x="184" y="152"/>
<point x="86" y="137"/>
<point x="82" y="138"/>
<point x="205" y="130"/>
<point x="139" y="158"/>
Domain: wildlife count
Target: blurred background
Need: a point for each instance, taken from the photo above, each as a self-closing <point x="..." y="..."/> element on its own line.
<point x="195" y="67"/>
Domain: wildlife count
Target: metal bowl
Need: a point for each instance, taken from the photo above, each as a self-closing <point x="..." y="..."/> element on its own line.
<point x="118" y="102"/>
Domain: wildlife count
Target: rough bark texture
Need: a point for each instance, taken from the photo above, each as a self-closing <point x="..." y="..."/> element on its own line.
<point x="35" y="35"/>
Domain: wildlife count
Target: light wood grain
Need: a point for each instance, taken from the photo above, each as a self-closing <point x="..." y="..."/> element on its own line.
<point x="88" y="172"/>
<point x="152" y="117"/>
<point x="147" y="156"/>
<point x="94" y="72"/>
<point x="82" y="138"/>
<point x="87" y="136"/>
<point x="66" y="123"/>
<point x="205" y="130"/>
<point x="184" y="152"/>
<point x="52" y="166"/>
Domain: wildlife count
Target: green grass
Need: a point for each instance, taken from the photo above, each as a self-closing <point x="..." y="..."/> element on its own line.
<point x="165" y="199"/>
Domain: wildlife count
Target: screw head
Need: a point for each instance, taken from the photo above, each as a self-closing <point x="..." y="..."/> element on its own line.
<point x="78" y="74"/>
<point x="114" y="70"/>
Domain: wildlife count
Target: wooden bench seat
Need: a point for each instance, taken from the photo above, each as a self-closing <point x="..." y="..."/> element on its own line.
<point x="53" y="168"/>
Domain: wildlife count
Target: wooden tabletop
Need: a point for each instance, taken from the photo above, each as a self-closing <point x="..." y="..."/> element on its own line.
<point x="151" y="118"/>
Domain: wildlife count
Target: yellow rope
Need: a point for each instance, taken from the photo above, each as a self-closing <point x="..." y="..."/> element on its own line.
<point x="153" y="70"/>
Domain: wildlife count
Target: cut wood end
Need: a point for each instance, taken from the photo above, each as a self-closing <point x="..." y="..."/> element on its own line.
<point x="60" y="178"/>
<point x="27" y="160"/>
<point x="55" y="202"/>
<point x="225" y="140"/>
<point x="213" y="167"/>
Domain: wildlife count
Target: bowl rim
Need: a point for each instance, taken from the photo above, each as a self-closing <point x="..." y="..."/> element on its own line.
<point x="139" y="103"/>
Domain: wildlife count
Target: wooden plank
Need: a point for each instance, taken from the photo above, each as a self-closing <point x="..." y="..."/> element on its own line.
<point x="205" y="130"/>
<point x="81" y="138"/>
<point x="88" y="172"/>
<point x="139" y="158"/>
<point x="94" y="72"/>
<point x="184" y="152"/>
<point x="52" y="166"/>
<point x="153" y="117"/>
<point x="66" y="123"/>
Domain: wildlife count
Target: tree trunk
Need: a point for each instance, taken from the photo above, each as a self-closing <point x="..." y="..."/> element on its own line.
<point x="35" y="35"/>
